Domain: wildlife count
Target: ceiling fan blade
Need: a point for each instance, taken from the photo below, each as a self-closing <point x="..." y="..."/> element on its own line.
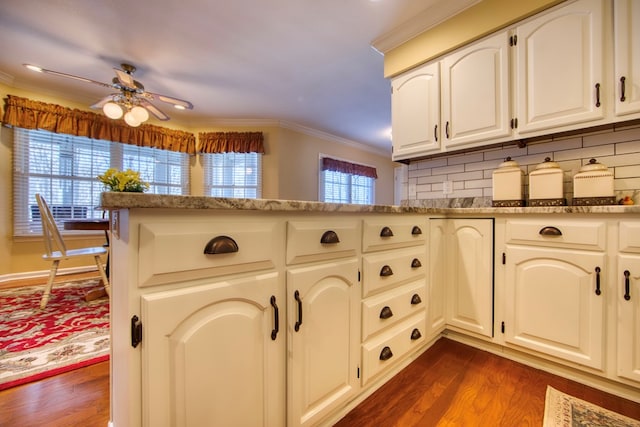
<point x="71" y="76"/>
<point x="171" y="100"/>
<point x="125" y="79"/>
<point x="103" y="101"/>
<point x="153" y="109"/>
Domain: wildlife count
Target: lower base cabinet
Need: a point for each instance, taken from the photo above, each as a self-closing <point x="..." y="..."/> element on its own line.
<point x="213" y="356"/>
<point x="628" y="327"/>
<point x="323" y="335"/>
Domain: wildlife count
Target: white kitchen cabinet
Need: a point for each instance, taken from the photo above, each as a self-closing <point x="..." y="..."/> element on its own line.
<point x="324" y="334"/>
<point x="560" y="79"/>
<point x="475" y="93"/>
<point x="212" y="351"/>
<point x="627" y="58"/>
<point x="462" y="274"/>
<point x="627" y="285"/>
<point x="415" y="106"/>
<point x="555" y="290"/>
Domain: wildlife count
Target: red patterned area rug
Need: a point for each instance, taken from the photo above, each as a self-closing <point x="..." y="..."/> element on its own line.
<point x="563" y="410"/>
<point x="68" y="334"/>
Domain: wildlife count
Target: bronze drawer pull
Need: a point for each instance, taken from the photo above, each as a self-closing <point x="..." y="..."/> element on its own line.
<point x="386" y="232"/>
<point x="386" y="271"/>
<point x="386" y="312"/>
<point x="416" y="230"/>
<point x="386" y="354"/>
<point x="416" y="263"/>
<point x="415" y="334"/>
<point x="329" y="237"/>
<point x="221" y="245"/>
<point x="415" y="299"/>
<point x="550" y="231"/>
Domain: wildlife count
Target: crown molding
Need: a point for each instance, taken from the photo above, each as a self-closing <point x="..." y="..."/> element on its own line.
<point x="425" y="20"/>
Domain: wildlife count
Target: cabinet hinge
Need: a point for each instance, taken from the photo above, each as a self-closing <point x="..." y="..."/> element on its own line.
<point x="513" y="40"/>
<point x="514" y="123"/>
<point x="502" y="327"/>
<point x="504" y="258"/>
<point x="136" y="331"/>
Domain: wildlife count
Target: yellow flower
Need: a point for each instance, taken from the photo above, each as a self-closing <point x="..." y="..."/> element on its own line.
<point x="128" y="180"/>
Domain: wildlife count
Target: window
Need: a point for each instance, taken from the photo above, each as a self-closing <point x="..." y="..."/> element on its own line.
<point x="344" y="182"/>
<point x="64" y="169"/>
<point x="233" y="175"/>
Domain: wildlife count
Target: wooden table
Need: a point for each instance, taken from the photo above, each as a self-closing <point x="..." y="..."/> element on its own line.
<point x="92" y="224"/>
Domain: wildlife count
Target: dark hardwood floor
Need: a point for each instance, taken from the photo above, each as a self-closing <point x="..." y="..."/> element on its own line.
<point x="449" y="385"/>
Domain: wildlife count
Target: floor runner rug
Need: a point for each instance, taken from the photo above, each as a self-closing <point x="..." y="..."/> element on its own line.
<point x="68" y="334"/>
<point x="563" y="410"/>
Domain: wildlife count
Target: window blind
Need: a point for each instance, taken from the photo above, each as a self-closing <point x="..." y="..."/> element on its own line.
<point x="237" y="175"/>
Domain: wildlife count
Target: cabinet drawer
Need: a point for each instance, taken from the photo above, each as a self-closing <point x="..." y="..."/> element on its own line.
<point x="389" y="232"/>
<point x="391" y="346"/>
<point x="589" y="235"/>
<point x="386" y="309"/>
<point x="321" y="240"/>
<point x="172" y="252"/>
<point x="385" y="270"/>
<point x="629" y="240"/>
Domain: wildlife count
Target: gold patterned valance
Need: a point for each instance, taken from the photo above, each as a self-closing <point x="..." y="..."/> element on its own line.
<point x="231" y="142"/>
<point x="29" y="114"/>
<point x="347" y="167"/>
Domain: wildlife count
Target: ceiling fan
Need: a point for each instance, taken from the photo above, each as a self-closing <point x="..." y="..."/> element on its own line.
<point x="131" y="99"/>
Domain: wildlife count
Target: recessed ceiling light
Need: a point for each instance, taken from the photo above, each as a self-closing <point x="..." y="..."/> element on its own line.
<point x="179" y="107"/>
<point x="33" y="68"/>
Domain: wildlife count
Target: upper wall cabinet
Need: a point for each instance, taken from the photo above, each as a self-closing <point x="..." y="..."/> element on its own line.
<point x="559" y="63"/>
<point x="475" y="93"/>
<point x="627" y="57"/>
<point x="415" y="101"/>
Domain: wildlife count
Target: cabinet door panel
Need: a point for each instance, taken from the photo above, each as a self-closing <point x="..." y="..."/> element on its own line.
<point x="628" y="316"/>
<point x="559" y="63"/>
<point x="208" y="355"/>
<point x="415" y="104"/>
<point x="323" y="351"/>
<point x="475" y="93"/>
<point x="552" y="305"/>
<point x="438" y="269"/>
<point x="627" y="56"/>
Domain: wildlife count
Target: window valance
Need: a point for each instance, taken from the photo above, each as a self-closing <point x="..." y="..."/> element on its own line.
<point x="347" y="167"/>
<point x="29" y="114"/>
<point x="231" y="142"/>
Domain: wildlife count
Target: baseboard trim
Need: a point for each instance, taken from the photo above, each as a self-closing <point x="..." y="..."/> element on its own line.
<point x="44" y="273"/>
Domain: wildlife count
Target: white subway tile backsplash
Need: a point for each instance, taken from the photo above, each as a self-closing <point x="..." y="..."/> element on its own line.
<point x="472" y="173"/>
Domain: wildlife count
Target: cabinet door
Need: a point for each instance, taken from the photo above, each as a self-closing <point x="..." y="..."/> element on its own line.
<point x="415" y="112"/>
<point x="559" y="64"/>
<point x="208" y="355"/>
<point x="438" y="268"/>
<point x="628" y="297"/>
<point x="475" y="93"/>
<point x="552" y="303"/>
<point x="324" y="336"/>
<point x="470" y="288"/>
<point x="627" y="56"/>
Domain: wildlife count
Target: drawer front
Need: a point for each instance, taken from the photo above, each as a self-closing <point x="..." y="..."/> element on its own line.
<point x="629" y="240"/>
<point x="391" y="346"/>
<point x="172" y="252"/>
<point x="589" y="235"/>
<point x="386" y="309"/>
<point x="388" y="232"/>
<point x="385" y="270"/>
<point x="321" y="240"/>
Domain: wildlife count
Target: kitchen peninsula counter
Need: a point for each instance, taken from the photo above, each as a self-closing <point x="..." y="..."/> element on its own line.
<point x="467" y="206"/>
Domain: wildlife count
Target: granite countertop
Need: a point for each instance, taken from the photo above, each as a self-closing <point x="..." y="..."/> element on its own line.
<point x="466" y="206"/>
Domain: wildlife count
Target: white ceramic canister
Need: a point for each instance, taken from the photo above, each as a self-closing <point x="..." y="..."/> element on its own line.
<point x="508" y="181"/>
<point x="545" y="183"/>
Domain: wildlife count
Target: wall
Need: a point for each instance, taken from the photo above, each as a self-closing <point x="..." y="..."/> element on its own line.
<point x="290" y="171"/>
<point x="471" y="173"/>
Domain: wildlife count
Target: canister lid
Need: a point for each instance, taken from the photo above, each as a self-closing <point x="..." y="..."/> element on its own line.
<point x="548" y="164"/>
<point x="593" y="165"/>
<point x="508" y="163"/>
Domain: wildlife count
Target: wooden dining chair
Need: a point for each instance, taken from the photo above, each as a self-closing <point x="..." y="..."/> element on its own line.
<point x="56" y="250"/>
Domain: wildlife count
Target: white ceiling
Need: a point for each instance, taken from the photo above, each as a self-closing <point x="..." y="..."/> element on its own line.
<point x="305" y="62"/>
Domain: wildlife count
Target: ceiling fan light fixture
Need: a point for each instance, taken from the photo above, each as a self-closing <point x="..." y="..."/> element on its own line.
<point x="131" y="120"/>
<point x="140" y="113"/>
<point x="112" y="110"/>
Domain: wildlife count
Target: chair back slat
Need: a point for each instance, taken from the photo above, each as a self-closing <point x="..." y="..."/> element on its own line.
<point x="51" y="234"/>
